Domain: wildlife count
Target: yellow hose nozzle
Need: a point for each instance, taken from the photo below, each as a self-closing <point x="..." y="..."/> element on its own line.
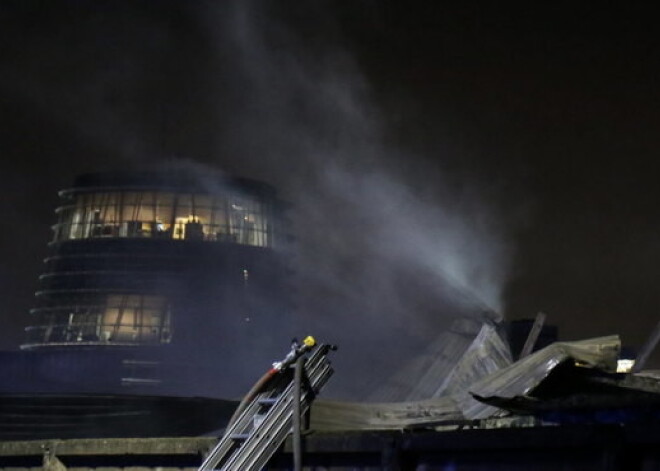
<point x="309" y="341"/>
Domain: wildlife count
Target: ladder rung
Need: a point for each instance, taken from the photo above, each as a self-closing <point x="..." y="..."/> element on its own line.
<point x="240" y="437"/>
<point x="268" y="401"/>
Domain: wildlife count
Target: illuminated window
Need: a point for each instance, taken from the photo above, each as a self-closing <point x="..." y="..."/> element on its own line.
<point x="134" y="214"/>
<point x="136" y="318"/>
<point x="116" y="318"/>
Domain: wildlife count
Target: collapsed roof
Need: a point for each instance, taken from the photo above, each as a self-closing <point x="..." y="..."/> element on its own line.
<point x="565" y="381"/>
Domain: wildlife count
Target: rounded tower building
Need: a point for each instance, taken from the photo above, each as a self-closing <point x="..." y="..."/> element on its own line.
<point x="168" y="268"/>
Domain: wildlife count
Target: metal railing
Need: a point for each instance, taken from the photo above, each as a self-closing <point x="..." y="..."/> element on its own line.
<point x="95" y="333"/>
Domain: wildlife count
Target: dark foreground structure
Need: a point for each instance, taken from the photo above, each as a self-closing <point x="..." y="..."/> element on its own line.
<point x="563" y="407"/>
<point x="568" y="448"/>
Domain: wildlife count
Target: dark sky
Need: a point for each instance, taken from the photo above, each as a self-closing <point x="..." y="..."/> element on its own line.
<point x="531" y="133"/>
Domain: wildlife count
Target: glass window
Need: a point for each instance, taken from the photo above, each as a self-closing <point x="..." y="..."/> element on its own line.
<point x="183" y="216"/>
<point x="136" y="318"/>
<point x="122" y="318"/>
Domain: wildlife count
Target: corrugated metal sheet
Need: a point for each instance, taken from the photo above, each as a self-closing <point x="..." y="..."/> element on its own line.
<point x="329" y="415"/>
<point x="424" y="376"/>
<point x="484" y="369"/>
<point x="436" y="384"/>
<point x="521" y="377"/>
<point x="487" y="355"/>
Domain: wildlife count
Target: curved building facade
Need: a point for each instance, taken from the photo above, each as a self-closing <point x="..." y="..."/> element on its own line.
<point x="176" y="263"/>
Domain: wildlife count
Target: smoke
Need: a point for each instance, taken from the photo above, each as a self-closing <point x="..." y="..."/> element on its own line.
<point x="390" y="245"/>
<point x="390" y="248"/>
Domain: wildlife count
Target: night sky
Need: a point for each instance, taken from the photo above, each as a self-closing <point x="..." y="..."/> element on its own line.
<point x="517" y="145"/>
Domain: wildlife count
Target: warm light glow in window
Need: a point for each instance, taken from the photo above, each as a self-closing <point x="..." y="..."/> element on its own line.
<point x="136" y="318"/>
<point x="129" y="318"/>
<point x="132" y="214"/>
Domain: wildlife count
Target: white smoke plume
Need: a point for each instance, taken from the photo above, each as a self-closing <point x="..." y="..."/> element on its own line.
<point x="390" y="249"/>
<point x="390" y="246"/>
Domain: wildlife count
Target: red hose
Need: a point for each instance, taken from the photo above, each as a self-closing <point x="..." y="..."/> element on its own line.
<point x="254" y="390"/>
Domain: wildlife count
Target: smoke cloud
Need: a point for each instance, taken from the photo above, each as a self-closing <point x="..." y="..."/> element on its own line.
<point x="390" y="249"/>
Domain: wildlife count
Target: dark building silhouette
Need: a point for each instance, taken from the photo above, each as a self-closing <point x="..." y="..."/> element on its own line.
<point x="164" y="282"/>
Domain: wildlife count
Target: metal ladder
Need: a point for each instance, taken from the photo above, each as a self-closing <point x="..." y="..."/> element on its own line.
<point x="252" y="439"/>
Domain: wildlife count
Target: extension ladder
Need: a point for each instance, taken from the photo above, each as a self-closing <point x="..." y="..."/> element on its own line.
<point x="256" y="434"/>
